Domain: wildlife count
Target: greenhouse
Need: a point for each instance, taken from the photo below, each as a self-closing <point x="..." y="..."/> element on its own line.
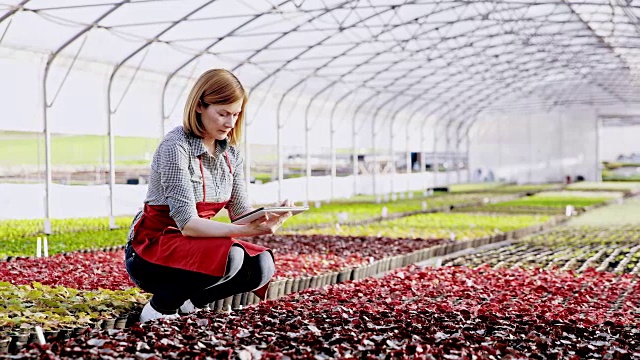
<point x="467" y="175"/>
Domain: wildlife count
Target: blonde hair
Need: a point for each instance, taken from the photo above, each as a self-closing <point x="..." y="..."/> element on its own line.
<point x="214" y="87"/>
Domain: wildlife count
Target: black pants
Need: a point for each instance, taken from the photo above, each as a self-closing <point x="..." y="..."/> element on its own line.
<point x="171" y="287"/>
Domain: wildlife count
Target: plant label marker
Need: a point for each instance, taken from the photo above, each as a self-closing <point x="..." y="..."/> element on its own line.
<point x="343" y="216"/>
<point x="569" y="210"/>
<point x="318" y="204"/>
<point x="401" y="196"/>
<point x="38" y="247"/>
<point x="410" y="195"/>
<point x="338" y="228"/>
<point x="424" y="206"/>
<point x="394" y="197"/>
<point x="46" y="247"/>
<point x="378" y="199"/>
<point x="385" y="211"/>
<point x="40" y="335"/>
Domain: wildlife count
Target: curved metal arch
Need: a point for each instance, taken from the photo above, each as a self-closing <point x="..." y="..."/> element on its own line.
<point x="261" y="81"/>
<point x="173" y="24"/>
<point x="406" y="73"/>
<point x="375" y="55"/>
<point x="315" y="71"/>
<point x="47" y="131"/>
<point x="205" y="50"/>
<point x="16" y="9"/>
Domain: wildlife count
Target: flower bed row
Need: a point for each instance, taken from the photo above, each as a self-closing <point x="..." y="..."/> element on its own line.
<point x="615" y="249"/>
<point x="18" y="229"/>
<point x="628" y="187"/>
<point x="439" y="225"/>
<point x="600" y="258"/>
<point x="13" y="230"/>
<point x="365" y="213"/>
<point x="296" y="255"/>
<point x="462" y="225"/>
<point x="448" y="313"/>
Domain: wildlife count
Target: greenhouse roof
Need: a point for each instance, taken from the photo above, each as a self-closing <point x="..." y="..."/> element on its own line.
<point x="456" y="58"/>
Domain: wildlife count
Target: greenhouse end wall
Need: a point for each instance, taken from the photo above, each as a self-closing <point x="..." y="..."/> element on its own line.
<point x="536" y="147"/>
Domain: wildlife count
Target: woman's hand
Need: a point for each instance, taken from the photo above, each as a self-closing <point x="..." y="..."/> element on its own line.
<point x="286" y="203"/>
<point x="268" y="224"/>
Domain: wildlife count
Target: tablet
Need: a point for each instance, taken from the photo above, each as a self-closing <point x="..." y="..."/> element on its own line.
<point x="259" y="212"/>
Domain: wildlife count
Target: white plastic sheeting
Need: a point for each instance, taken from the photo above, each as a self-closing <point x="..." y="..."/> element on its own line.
<point x="93" y="201"/>
<point x="537" y="147"/>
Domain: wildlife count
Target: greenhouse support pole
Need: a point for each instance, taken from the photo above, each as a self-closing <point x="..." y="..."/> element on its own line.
<point x="280" y="159"/>
<point x="447" y="145"/>
<point x="307" y="147"/>
<point x="423" y="158"/>
<point x="46" y="105"/>
<point x="467" y="147"/>
<point x="332" y="144"/>
<point x="47" y="154"/>
<point x="355" y="155"/>
<point x="247" y="155"/>
<point x="408" y="151"/>
<point x="458" y="158"/>
<point x="373" y="155"/>
<point x="434" y="163"/>
<point x="408" y="156"/>
<point x="598" y="123"/>
<point x="112" y="167"/>
<point x="392" y="158"/>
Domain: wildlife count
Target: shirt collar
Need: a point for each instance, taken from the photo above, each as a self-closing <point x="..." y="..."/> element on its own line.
<point x="197" y="147"/>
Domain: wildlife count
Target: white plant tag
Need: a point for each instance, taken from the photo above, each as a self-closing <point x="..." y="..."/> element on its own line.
<point x="569" y="210"/>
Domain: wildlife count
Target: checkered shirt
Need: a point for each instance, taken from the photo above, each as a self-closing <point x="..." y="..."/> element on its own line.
<point x="175" y="177"/>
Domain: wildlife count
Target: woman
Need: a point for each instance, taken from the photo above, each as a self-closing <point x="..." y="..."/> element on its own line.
<point x="173" y="250"/>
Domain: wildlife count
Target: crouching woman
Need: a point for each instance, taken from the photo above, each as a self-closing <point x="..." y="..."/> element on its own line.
<point x="173" y="250"/>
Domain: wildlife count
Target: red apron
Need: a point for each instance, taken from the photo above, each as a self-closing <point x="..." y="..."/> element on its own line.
<point x="158" y="239"/>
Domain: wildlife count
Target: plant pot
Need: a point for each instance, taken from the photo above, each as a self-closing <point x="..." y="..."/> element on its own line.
<point x="281" y="288"/>
<point x="295" y="286"/>
<point x="226" y="303"/>
<point x="313" y="283"/>
<point x="18" y="341"/>
<point x="33" y="338"/>
<point x="288" y="286"/>
<point x="4" y="344"/>
<point x="307" y="282"/>
<point x="65" y="334"/>
<point x="333" y="278"/>
<point x="344" y="275"/>
<point x="252" y="299"/>
<point x="244" y="298"/>
<point x="107" y="323"/>
<point x="78" y="330"/>
<point x="121" y="322"/>
<point x="51" y="335"/>
<point x="235" y="301"/>
<point x="217" y="305"/>
<point x="275" y="290"/>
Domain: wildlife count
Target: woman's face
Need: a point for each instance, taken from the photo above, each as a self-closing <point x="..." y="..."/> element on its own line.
<point x="218" y="120"/>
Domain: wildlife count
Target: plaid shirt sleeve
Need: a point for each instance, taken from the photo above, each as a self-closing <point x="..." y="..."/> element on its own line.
<point x="173" y="167"/>
<point x="239" y="202"/>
